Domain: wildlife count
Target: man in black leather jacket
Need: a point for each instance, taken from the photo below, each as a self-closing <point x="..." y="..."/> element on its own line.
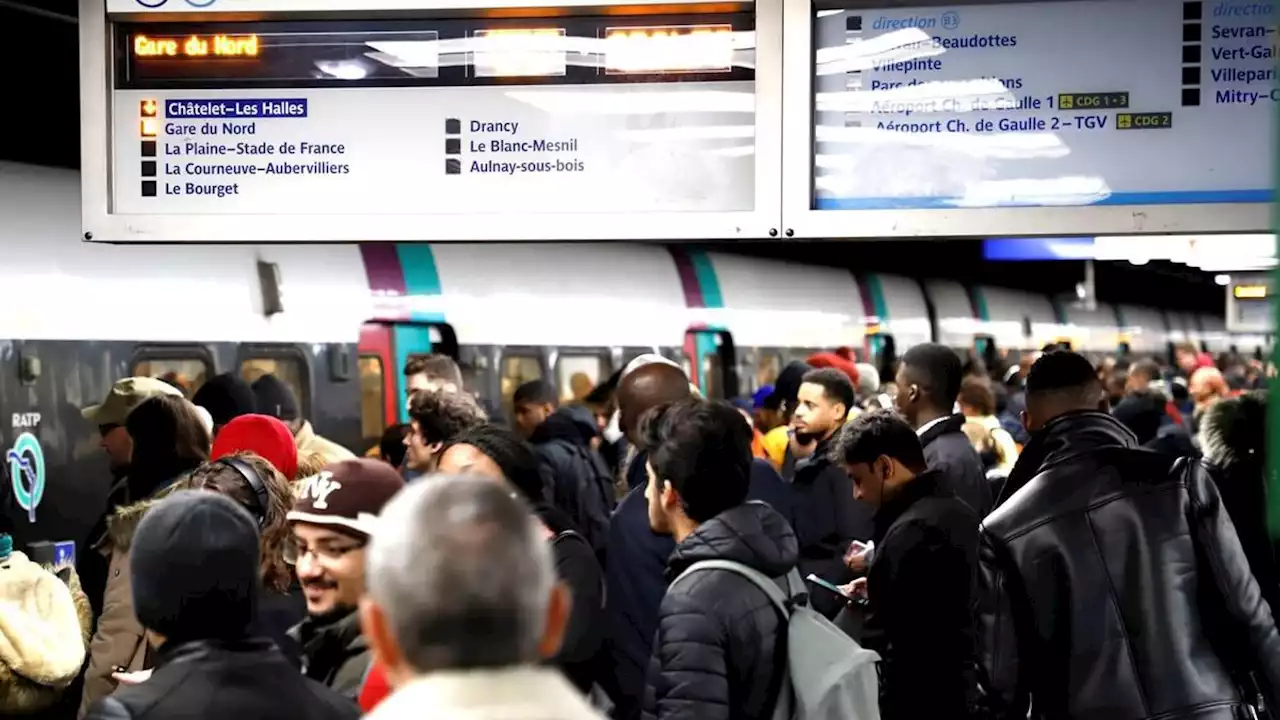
<point x="1112" y="583"/>
<point x="195" y="581"/>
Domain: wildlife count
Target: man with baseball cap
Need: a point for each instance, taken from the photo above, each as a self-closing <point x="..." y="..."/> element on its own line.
<point x="111" y="413"/>
<point x="332" y="521"/>
<point x="109" y="416"/>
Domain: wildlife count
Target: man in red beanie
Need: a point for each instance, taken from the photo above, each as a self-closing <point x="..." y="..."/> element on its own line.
<point x="260" y="434"/>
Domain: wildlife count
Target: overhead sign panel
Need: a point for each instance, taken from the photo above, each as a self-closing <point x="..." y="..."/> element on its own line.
<point x="1101" y="102"/>
<point x="1084" y="104"/>
<point x="581" y="125"/>
<point x="1249" y="303"/>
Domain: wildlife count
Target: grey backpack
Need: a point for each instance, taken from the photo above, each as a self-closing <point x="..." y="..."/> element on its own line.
<point x="829" y="675"/>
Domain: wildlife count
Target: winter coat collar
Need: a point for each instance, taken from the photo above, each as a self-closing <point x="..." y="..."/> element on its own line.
<point x="1062" y="438"/>
<point x="751" y="533"/>
<point x="124" y="522"/>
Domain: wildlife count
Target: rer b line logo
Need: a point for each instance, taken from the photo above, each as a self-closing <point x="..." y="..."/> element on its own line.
<point x="26" y="473"/>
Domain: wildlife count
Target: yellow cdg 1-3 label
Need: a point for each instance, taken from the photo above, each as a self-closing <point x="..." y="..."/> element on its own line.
<point x="1093" y="101"/>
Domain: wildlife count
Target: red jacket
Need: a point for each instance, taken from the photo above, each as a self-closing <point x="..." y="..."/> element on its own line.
<point x="376" y="688"/>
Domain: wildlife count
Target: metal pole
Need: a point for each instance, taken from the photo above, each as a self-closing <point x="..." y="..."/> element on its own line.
<point x="1090" y="287"/>
<point x="1273" y="399"/>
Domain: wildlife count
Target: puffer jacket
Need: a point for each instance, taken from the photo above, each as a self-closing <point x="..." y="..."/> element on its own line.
<point x="582" y="485"/>
<point x="45" y="626"/>
<point x="334" y="653"/>
<point x="1112" y="584"/>
<point x="720" y="649"/>
<point x="120" y="639"/>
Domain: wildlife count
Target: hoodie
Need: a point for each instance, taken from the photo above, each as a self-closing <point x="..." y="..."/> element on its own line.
<point x="1233" y="435"/>
<point x="582" y="485"/>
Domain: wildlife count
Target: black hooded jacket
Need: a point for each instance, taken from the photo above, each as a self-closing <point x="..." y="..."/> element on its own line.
<point x="720" y="648"/>
<point x="826" y="518"/>
<point x="582" y="485"/>
<point x="577" y="568"/>
<point x="1233" y="435"/>
<point x="1112" y="584"/>
<point x="243" y="679"/>
<point x="920" y="587"/>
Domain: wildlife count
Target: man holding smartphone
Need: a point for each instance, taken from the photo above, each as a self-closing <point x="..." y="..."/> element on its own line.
<point x="919" y="581"/>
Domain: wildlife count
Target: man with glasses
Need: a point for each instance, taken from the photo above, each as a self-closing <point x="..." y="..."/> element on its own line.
<point x="332" y="520"/>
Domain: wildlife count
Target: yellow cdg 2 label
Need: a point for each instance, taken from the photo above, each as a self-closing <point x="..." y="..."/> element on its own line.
<point x="1144" y="121"/>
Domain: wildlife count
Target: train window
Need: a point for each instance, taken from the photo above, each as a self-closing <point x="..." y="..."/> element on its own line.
<point x="711" y="368"/>
<point x="372" y="402"/>
<point x="288" y="368"/>
<point x="187" y="374"/>
<point x="516" y="371"/>
<point x="768" y="368"/>
<point x="577" y="374"/>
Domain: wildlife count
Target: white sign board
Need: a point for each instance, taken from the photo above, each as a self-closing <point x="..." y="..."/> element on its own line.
<point x="1099" y="102"/>
<point x="490" y="150"/>
<point x="349" y="128"/>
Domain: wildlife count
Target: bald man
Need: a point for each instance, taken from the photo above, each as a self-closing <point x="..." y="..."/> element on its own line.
<point x="1207" y="386"/>
<point x="635" y="578"/>
<point x="642" y="389"/>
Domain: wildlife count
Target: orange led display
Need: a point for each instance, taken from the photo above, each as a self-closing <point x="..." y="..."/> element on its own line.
<point x="1250" y="292"/>
<point x="149" y="127"/>
<point x="519" y="52"/>
<point x="668" y="49"/>
<point x="193" y="46"/>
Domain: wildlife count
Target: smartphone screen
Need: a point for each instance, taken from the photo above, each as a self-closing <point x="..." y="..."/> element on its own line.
<point x="824" y="584"/>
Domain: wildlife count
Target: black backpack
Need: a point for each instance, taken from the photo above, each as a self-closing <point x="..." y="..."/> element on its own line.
<point x="590" y="499"/>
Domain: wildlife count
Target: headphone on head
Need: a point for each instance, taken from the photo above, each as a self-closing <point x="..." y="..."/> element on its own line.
<point x="255" y="483"/>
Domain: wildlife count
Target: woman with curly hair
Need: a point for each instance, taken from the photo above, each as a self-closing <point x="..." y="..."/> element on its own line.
<point x="255" y="484"/>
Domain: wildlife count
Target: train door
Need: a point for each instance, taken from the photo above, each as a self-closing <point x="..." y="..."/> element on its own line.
<point x="379" y="391"/>
<point x="883" y="351"/>
<point x="385" y="347"/>
<point x="985" y="347"/>
<point x="712" y="362"/>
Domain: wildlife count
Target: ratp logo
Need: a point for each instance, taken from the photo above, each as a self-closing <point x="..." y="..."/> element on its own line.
<point x="26" y="472"/>
<point x="153" y="4"/>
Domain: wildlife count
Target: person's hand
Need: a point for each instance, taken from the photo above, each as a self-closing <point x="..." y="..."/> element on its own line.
<point x="856" y="590"/>
<point x="858" y="557"/>
<point x="131" y="678"/>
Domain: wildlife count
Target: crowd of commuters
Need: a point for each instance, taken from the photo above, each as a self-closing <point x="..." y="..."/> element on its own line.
<point x="1053" y="538"/>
